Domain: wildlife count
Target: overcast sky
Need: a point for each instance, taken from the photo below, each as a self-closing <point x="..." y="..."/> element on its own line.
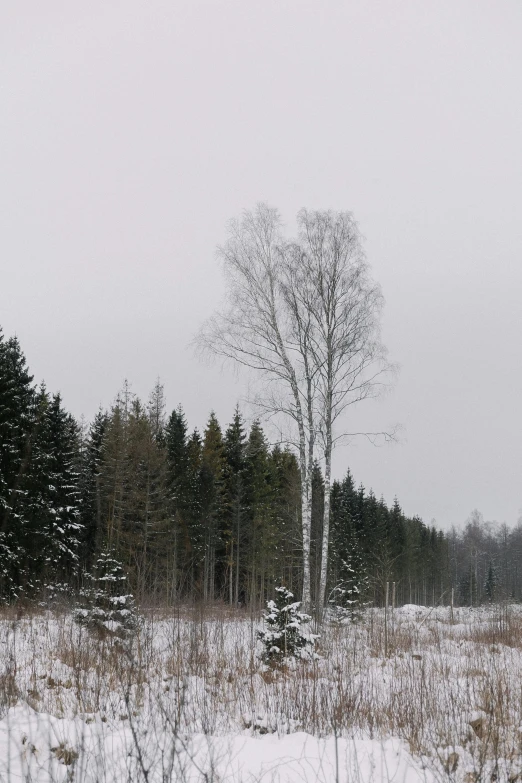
<point x="131" y="131"/>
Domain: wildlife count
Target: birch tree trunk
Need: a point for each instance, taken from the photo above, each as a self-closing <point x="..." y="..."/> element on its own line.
<point x="321" y="598"/>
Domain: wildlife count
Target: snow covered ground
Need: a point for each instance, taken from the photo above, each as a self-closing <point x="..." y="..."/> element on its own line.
<point x="189" y="701"/>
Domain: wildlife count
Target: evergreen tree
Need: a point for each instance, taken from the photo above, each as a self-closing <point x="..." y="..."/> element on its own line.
<point x="285" y="508"/>
<point x="348" y="573"/>
<point x="178" y="460"/>
<point x="211" y="483"/>
<point x="134" y="489"/>
<point x="16" y="426"/>
<point x="194" y="535"/>
<point x="285" y="635"/>
<point x="179" y="491"/>
<point x="234" y="504"/>
<point x="93" y="532"/>
<point x="106" y="604"/>
<point x="114" y="474"/>
<point x="261" y="533"/>
<point x="156" y="411"/>
<point x="52" y="486"/>
<point x="342" y="526"/>
<point x="491" y="584"/>
<point x="206" y="518"/>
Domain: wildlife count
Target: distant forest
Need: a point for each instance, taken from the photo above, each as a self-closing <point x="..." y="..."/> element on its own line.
<point x="210" y="516"/>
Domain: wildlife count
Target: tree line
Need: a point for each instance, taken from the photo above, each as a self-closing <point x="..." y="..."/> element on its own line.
<point x="224" y="514"/>
<point x="208" y="516"/>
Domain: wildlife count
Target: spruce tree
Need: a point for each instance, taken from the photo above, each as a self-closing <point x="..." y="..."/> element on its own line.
<point x="16" y="426"/>
<point x="211" y="478"/>
<point x="52" y="485"/>
<point x="234" y="504"/>
<point x="93" y="532"/>
<point x="491" y="584"/>
<point x="262" y="533"/>
<point x="349" y="572"/>
<point x="114" y="475"/>
<point x="178" y="460"/>
<point x="285" y="509"/>
<point x="178" y="486"/>
<point x="193" y="533"/>
<point x="285" y="635"/>
<point x="106" y="604"/>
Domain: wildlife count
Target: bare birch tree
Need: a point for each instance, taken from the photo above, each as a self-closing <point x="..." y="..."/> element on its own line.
<point x="344" y="306"/>
<point x="258" y="330"/>
<point x="306" y="315"/>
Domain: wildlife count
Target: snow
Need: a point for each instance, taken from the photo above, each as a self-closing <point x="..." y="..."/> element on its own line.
<point x="101" y="751"/>
<point x="186" y="697"/>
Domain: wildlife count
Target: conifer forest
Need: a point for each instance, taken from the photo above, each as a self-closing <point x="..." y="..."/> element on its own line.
<point x="210" y="515"/>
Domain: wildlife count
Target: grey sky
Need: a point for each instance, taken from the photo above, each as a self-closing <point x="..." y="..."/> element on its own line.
<point x="131" y="132"/>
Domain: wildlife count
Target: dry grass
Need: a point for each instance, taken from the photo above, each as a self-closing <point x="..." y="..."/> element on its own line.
<point x="451" y="691"/>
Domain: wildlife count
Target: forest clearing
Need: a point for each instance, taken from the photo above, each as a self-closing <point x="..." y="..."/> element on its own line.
<point x="187" y="698"/>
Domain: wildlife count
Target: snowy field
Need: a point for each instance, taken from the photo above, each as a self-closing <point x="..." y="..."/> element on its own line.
<point x="189" y="701"/>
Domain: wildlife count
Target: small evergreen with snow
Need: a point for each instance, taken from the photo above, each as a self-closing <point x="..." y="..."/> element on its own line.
<point x="286" y="634"/>
<point x="106" y="604"/>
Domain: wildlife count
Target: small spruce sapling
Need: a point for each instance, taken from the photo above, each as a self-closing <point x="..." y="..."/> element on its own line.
<point x="285" y="635"/>
<point x="107" y="606"/>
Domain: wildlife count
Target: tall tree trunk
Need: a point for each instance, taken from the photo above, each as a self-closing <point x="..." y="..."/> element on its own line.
<point x="326" y="523"/>
<point x="237" y="556"/>
<point x="306" y="522"/>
